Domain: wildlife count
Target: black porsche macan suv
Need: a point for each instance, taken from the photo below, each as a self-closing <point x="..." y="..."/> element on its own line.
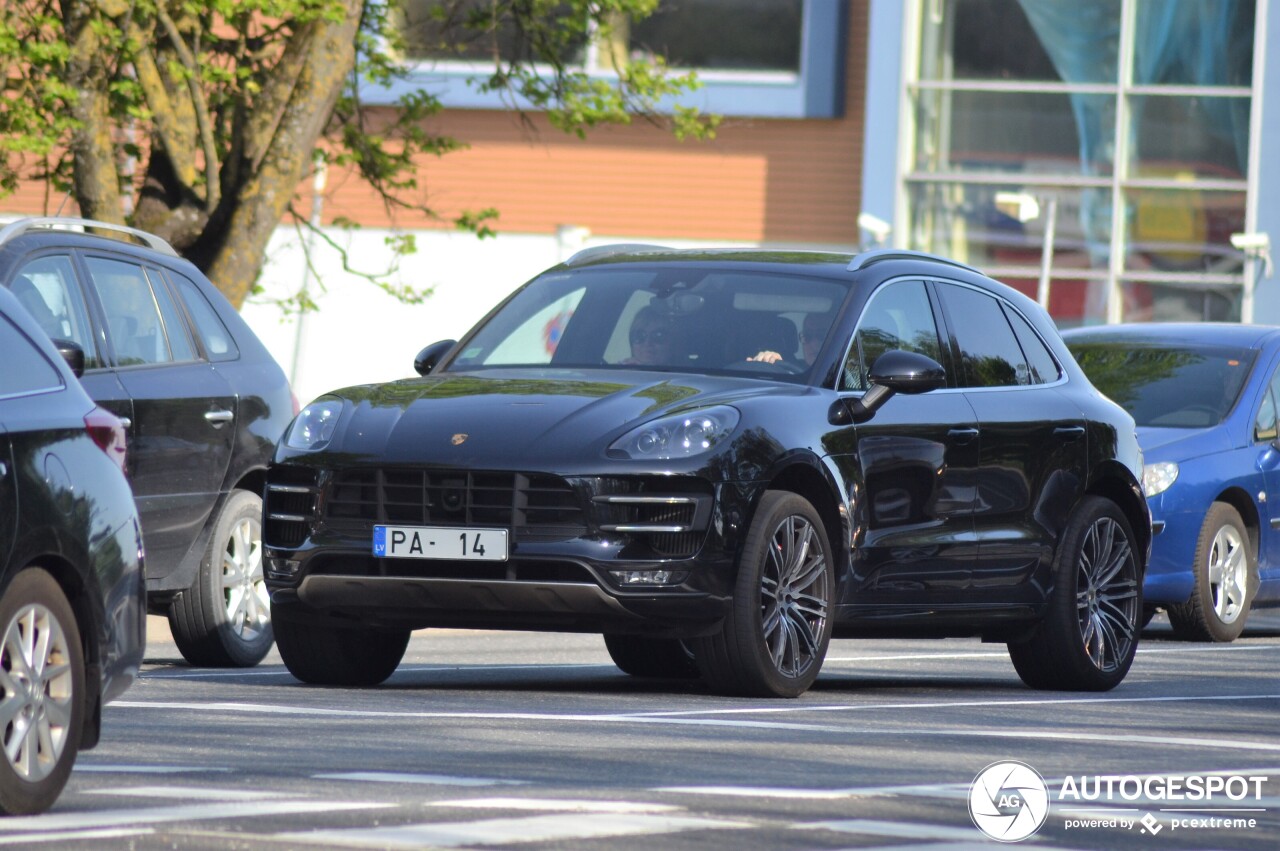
<point x="203" y="403"/>
<point x="719" y="460"/>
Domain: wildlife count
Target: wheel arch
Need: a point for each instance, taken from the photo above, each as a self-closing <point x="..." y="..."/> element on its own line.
<point x="1239" y="499"/>
<point x="1127" y="495"/>
<point x="806" y="477"/>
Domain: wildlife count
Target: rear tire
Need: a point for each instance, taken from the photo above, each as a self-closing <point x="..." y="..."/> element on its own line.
<point x="1089" y="634"/>
<point x="224" y="619"/>
<point x="42" y="703"/>
<point x="640" y="656"/>
<point x="334" y="654"/>
<point x="775" y="636"/>
<point x="1226" y="580"/>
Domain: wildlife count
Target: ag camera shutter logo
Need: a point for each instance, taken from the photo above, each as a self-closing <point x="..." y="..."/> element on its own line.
<point x="1008" y="801"/>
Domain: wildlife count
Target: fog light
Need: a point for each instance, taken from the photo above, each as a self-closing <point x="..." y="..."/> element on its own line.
<point x="649" y="577"/>
<point x="282" y="568"/>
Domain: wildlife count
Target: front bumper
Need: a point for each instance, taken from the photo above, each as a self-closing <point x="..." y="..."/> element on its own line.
<point x="587" y="568"/>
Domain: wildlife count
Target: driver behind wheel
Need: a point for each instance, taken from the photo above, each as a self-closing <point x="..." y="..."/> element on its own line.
<point x="811" y="337"/>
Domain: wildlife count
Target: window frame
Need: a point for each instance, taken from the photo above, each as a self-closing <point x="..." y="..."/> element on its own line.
<point x="816" y="91"/>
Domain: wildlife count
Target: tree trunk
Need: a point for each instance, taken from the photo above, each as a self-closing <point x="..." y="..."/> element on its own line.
<point x="260" y="201"/>
<point x="96" y="180"/>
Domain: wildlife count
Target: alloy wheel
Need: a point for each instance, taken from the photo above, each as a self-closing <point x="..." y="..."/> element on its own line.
<point x="36" y="692"/>
<point x="1107" y="595"/>
<point x="795" y="595"/>
<point x="1228" y="574"/>
<point x="244" y="590"/>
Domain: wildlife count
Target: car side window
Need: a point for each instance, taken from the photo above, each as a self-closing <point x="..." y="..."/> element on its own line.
<point x="48" y="288"/>
<point x="1043" y="366"/>
<point x="1264" y="424"/>
<point x="898" y="316"/>
<point x="989" y="352"/>
<point x="141" y="318"/>
<point x="26" y="369"/>
<point x="217" y="339"/>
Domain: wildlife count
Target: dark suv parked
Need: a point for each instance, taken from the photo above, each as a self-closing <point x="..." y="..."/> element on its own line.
<point x="203" y="401"/>
<point x="719" y="460"/>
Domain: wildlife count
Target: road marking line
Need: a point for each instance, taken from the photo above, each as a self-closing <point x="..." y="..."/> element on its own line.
<point x="427" y="779"/>
<point x="75" y="835"/>
<point x="207" y="793"/>
<point x="403" y="669"/>
<point x="557" y="805"/>
<point x="548" y="828"/>
<point x="1126" y="738"/>
<point x="757" y="792"/>
<point x="92" y="768"/>
<point x="873" y="827"/>
<point x="1212" y="648"/>
<point x="195" y="812"/>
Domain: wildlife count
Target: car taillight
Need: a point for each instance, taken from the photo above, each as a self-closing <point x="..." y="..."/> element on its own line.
<point x="108" y="432"/>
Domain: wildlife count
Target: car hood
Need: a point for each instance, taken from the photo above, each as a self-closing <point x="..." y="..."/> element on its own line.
<point x="521" y="418"/>
<point x="1180" y="444"/>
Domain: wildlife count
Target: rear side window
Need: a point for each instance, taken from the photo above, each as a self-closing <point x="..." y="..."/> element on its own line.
<point x="23" y="368"/>
<point x="142" y="320"/>
<point x="217" y="339"/>
<point x="989" y="353"/>
<point x="1044" y="369"/>
<point x="48" y="288"/>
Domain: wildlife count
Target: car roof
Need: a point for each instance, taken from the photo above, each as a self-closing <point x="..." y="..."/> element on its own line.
<point x="1176" y="334"/>
<point x="815" y="260"/>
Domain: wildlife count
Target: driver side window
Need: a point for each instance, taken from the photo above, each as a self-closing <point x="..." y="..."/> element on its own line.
<point x="898" y="316"/>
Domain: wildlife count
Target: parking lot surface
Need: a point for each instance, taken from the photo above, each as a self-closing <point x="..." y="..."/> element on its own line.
<point x="533" y="741"/>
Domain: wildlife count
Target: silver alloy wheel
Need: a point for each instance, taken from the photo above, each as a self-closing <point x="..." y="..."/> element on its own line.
<point x="1107" y="594"/>
<point x="794" y="594"/>
<point x="1228" y="571"/>
<point x="36" y="692"/>
<point x="244" y="591"/>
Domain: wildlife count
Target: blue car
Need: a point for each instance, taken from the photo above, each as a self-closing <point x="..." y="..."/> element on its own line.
<point x="1205" y="397"/>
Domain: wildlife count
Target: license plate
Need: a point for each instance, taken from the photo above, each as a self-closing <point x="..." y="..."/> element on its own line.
<point x="444" y="542"/>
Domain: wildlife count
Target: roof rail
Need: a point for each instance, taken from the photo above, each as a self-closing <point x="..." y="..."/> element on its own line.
<point x="866" y="258"/>
<point x="21" y="226"/>
<point x="598" y="251"/>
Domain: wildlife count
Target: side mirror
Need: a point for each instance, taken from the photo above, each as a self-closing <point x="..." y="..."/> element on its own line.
<point x="897" y="371"/>
<point x="431" y="355"/>
<point x="72" y="354"/>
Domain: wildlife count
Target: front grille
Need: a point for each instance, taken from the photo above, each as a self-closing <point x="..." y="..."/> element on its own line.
<point x="535" y="507"/>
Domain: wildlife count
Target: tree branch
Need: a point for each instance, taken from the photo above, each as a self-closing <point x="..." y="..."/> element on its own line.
<point x="204" y="127"/>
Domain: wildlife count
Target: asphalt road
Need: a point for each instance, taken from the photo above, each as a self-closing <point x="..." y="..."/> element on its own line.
<point x="495" y="740"/>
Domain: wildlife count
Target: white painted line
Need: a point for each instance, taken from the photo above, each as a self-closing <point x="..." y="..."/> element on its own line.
<point x="1094" y="737"/>
<point x="556" y="805"/>
<point x="403" y="669"/>
<point x="757" y="792"/>
<point x="872" y="827"/>
<point x="99" y="768"/>
<point x="426" y="779"/>
<point x="991" y="654"/>
<point x="548" y="828"/>
<point x="160" y="815"/>
<point x="25" y="839"/>
<point x="203" y="793"/>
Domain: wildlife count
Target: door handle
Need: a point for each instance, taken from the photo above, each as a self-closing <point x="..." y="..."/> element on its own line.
<point x="962" y="435"/>
<point x="1069" y="433"/>
<point x="218" y="419"/>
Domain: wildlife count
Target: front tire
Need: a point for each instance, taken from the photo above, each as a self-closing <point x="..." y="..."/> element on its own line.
<point x="1226" y="574"/>
<point x="1089" y="634"/>
<point x="42" y="693"/>
<point x="333" y="654"/>
<point x="224" y="619"/>
<point x="640" y="656"/>
<point x="775" y="637"/>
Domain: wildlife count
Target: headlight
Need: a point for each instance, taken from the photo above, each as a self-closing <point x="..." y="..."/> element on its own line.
<point x="679" y="436"/>
<point x="314" y="426"/>
<point x="1156" y="478"/>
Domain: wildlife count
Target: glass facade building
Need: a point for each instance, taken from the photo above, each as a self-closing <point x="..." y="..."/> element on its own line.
<point x="1097" y="154"/>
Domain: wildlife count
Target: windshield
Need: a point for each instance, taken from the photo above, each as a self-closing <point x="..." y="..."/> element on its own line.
<point x="1167" y="387"/>
<point x="699" y="319"/>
